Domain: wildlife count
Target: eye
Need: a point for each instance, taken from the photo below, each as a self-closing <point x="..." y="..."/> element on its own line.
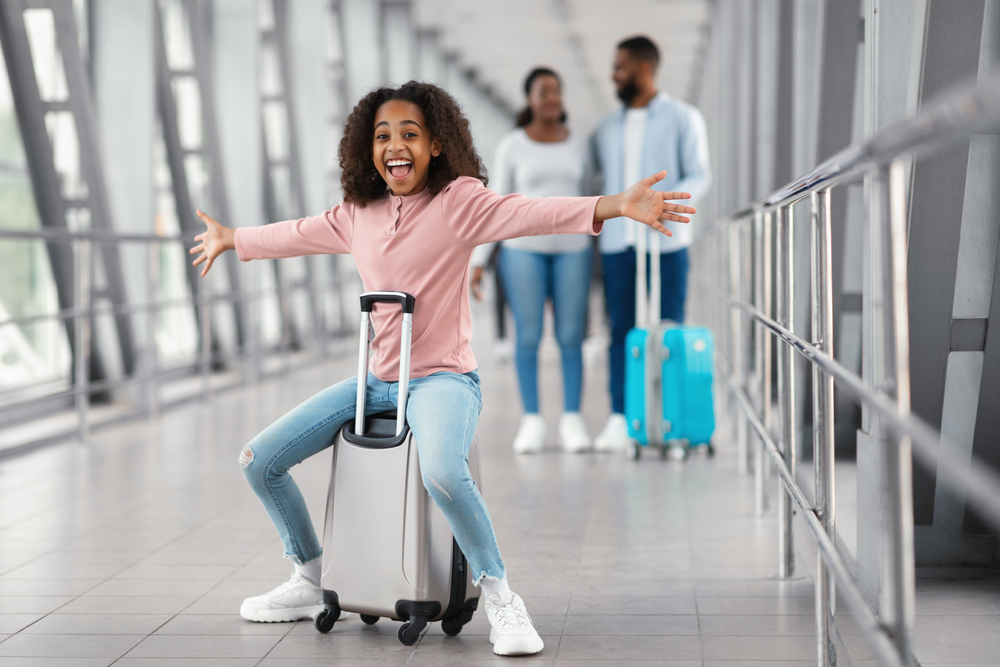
<point x="381" y="135"/>
<point x="410" y="134"/>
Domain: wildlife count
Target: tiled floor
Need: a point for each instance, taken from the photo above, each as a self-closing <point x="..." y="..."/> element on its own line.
<point x="136" y="548"/>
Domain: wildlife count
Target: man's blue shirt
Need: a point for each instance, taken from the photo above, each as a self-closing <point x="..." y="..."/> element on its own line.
<point x="674" y="139"/>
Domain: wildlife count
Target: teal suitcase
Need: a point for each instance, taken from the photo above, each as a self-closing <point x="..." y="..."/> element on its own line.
<point x="643" y="382"/>
<point x="688" y="411"/>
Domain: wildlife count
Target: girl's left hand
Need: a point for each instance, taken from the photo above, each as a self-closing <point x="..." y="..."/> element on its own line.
<point x="650" y="207"/>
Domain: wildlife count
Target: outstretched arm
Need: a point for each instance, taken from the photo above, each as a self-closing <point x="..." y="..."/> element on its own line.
<point x="214" y="241"/>
<point x="643" y="204"/>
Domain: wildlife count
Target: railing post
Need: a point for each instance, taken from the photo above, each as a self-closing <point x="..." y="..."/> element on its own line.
<point x="152" y="320"/>
<point x="897" y="482"/>
<point x="762" y="357"/>
<point x="253" y="300"/>
<point x="736" y="361"/>
<point x="81" y="353"/>
<point x="823" y="416"/>
<point x="746" y="323"/>
<point x="205" y="361"/>
<point x="786" y="389"/>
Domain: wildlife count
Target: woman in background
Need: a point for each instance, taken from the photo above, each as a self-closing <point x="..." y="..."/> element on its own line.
<point x="542" y="158"/>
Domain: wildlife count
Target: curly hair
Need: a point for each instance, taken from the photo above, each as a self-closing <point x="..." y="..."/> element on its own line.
<point x="360" y="180"/>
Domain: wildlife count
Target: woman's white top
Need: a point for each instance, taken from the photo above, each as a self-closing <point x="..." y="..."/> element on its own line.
<point x="538" y="169"/>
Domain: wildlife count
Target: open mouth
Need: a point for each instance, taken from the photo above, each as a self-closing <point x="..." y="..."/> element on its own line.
<point x="399" y="168"/>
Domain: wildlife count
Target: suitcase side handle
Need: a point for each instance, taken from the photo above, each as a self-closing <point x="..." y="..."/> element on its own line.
<point x="369" y="299"/>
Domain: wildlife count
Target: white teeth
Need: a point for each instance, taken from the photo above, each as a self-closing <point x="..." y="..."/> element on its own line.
<point x="397" y="163"/>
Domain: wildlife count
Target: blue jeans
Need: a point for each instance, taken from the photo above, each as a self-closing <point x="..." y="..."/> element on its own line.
<point x="619" y="294"/>
<point x="528" y="279"/>
<point x="442" y="411"/>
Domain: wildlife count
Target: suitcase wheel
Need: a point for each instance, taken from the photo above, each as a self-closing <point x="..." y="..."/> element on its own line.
<point x="678" y="452"/>
<point x="451" y="626"/>
<point x="369" y="620"/>
<point x="637" y="454"/>
<point x="409" y="632"/>
<point x="325" y="619"/>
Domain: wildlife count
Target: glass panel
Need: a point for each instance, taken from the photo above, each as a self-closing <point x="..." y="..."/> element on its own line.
<point x="41" y="29"/>
<point x="177" y="35"/>
<point x="176" y="333"/>
<point x="30" y="353"/>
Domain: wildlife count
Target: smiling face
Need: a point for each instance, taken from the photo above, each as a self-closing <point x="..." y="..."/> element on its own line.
<point x="402" y="147"/>
<point x="545" y="98"/>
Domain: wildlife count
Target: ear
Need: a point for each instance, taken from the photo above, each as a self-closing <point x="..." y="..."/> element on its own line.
<point x="435" y="148"/>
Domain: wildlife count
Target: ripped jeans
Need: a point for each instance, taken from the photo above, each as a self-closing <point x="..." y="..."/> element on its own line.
<point x="442" y="411"/>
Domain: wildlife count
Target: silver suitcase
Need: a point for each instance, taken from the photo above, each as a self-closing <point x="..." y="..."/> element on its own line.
<point x="388" y="550"/>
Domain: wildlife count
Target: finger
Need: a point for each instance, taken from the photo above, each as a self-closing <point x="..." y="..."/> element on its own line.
<point x="205" y="217"/>
<point x="660" y="228"/>
<point x="674" y="218"/>
<point x="650" y="181"/>
<point x="207" y="267"/>
<point x="199" y="260"/>
<point x="679" y="208"/>
<point x="198" y="248"/>
<point x="676" y="195"/>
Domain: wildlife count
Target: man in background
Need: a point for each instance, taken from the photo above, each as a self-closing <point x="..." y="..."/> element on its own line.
<point x="651" y="132"/>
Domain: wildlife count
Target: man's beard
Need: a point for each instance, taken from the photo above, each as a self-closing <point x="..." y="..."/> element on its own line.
<point x="628" y="92"/>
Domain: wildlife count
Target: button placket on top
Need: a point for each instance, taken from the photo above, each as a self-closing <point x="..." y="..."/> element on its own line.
<point x="395" y="215"/>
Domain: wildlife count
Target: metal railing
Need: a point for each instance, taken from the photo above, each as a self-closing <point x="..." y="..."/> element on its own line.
<point x="739" y="288"/>
<point x="250" y="357"/>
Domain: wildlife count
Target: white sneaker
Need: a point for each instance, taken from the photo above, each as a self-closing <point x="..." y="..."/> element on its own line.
<point x="503" y="351"/>
<point x="530" y="436"/>
<point x="614" y="437"/>
<point x="573" y="433"/>
<point x="511" y="629"/>
<point x="294" y="600"/>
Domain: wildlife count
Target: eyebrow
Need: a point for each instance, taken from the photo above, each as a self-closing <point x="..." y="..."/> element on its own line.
<point x="404" y="122"/>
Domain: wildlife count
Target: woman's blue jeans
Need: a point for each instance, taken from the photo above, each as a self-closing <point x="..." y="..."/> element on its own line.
<point x="442" y="411"/>
<point x="529" y="278"/>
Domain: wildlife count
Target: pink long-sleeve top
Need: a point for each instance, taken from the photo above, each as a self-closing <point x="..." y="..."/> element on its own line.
<point x="421" y="244"/>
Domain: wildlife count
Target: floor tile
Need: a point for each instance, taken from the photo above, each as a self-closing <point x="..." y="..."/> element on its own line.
<point x="32" y="604"/>
<point x="11" y="623"/>
<point x="126" y="604"/>
<point x="204" y="646"/>
<point x="632" y="605"/>
<point x="630" y="648"/>
<point x="625" y="625"/>
<point x="222" y="624"/>
<point x="68" y="646"/>
<point x="97" y="624"/>
<point x="58" y="662"/>
<point x="759" y="648"/>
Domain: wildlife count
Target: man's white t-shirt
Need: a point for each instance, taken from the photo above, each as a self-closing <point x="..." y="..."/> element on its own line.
<point x="633" y="132"/>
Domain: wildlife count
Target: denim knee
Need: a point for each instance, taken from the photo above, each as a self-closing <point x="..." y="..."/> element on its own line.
<point x="443" y="482"/>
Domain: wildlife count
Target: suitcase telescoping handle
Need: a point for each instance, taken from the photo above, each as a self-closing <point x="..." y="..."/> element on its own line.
<point x="647" y="305"/>
<point x="369" y="299"/>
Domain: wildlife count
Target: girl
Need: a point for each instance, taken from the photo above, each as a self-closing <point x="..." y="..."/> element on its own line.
<point x="543" y="158"/>
<point x="416" y="235"/>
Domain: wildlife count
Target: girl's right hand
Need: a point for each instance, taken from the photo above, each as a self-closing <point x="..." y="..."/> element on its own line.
<point x="476" y="282"/>
<point x="213" y="242"/>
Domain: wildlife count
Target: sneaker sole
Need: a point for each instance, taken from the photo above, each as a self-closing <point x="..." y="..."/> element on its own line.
<point x="280" y="615"/>
<point x="519" y="645"/>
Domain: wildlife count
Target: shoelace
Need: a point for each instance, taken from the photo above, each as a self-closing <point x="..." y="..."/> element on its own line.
<point x="294" y="581"/>
<point x="507" y="614"/>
